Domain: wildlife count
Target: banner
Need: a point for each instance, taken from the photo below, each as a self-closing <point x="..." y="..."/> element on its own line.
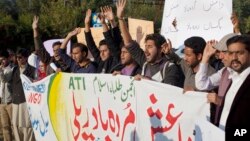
<point x="209" y="19"/>
<point x="80" y="107"/>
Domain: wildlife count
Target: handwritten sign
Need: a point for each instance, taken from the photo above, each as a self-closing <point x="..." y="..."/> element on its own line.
<point x="209" y="19"/>
<point x="139" y="29"/>
<point x="82" y="107"/>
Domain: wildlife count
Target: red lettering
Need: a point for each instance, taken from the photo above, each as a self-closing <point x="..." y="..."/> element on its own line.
<point x="118" y="125"/>
<point x="35" y="98"/>
<point x="87" y="122"/>
<point x="86" y="137"/>
<point x="104" y="125"/>
<point x="169" y="117"/>
<point x="76" y="122"/>
<point x="95" y="116"/>
<point x="111" y="120"/>
<point x="129" y="119"/>
<point x="179" y="134"/>
<point x="107" y="138"/>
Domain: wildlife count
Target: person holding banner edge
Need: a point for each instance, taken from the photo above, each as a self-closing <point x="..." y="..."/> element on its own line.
<point x="22" y="127"/>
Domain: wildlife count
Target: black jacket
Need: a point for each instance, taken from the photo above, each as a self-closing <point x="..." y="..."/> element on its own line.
<point x="18" y="96"/>
<point x="114" y="47"/>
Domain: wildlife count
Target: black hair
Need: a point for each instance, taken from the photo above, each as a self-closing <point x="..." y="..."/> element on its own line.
<point x="23" y="52"/>
<point x="82" y="47"/>
<point x="157" y="38"/>
<point x="196" y="43"/>
<point x="102" y="42"/>
<point x="56" y="43"/>
<point x="244" y="39"/>
<point x="4" y="53"/>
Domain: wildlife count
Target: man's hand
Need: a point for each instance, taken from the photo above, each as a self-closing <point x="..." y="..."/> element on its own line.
<point x="108" y="13"/>
<point x="214" y="98"/>
<point x="120" y="5"/>
<point x="88" y="17"/>
<point x="208" y="51"/>
<point x="74" y="32"/>
<point x="101" y="16"/>
<point x="116" y="73"/>
<point x="35" y="22"/>
<point x="167" y="47"/>
<point x="235" y="22"/>
<point x="138" y="77"/>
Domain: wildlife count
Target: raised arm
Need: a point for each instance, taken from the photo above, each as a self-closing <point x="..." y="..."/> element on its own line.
<point x="35" y="26"/>
<point x="111" y="40"/>
<point x="120" y="5"/>
<point x="109" y="15"/>
<point x="89" y="38"/>
<point x="235" y="22"/>
<point x="87" y="20"/>
<point x="202" y="80"/>
<point x="208" y="51"/>
<point x="37" y="41"/>
<point x="116" y="37"/>
<point x="102" y="19"/>
<point x="68" y="37"/>
<point x="39" y="47"/>
<point x="167" y="50"/>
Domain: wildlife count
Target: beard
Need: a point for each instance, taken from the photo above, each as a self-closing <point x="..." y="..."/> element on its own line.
<point x="237" y="66"/>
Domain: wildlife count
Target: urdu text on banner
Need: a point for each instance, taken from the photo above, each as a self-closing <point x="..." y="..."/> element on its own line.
<point x="79" y="107"/>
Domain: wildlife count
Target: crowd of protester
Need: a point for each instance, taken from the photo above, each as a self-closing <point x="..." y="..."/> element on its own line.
<point x="219" y="67"/>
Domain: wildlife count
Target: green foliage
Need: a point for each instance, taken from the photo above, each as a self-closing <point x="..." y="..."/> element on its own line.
<point x="146" y="12"/>
<point x="56" y="19"/>
<point x="242" y="8"/>
<point x="6" y="19"/>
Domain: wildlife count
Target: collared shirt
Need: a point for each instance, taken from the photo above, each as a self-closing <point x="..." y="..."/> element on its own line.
<point x="22" y="69"/>
<point x="237" y="81"/>
<point x="205" y="82"/>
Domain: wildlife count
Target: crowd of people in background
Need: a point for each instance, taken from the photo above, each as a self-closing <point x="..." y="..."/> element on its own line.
<point x="219" y="67"/>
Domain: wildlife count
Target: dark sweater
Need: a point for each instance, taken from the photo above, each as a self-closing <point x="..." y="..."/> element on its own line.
<point x="18" y="96"/>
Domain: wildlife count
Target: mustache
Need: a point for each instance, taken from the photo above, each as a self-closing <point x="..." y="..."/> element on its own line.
<point x="235" y="61"/>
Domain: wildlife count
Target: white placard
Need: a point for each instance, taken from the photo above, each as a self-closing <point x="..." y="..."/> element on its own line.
<point x="209" y="19"/>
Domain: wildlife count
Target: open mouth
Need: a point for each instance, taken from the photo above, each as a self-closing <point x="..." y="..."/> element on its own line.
<point x="235" y="64"/>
